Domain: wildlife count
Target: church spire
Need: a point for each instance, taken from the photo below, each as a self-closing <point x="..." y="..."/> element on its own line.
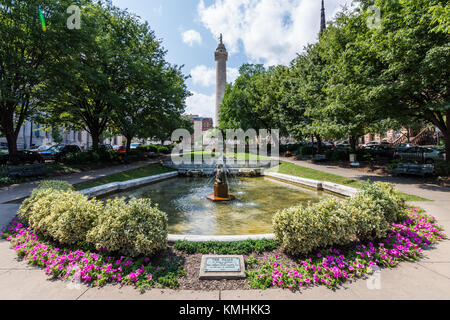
<point x="322" y="21"/>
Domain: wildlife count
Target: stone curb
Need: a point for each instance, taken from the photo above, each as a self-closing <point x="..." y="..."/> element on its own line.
<point x="116" y="186"/>
<point x="197" y="238"/>
<point x="319" y="185"/>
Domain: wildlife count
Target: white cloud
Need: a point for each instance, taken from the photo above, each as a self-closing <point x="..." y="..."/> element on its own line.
<point x="204" y="76"/>
<point x="191" y="37"/>
<point x="268" y="31"/>
<point x="201" y="104"/>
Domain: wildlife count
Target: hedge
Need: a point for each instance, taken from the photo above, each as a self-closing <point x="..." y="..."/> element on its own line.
<point x="227" y="247"/>
<point x="133" y="228"/>
<point x="57" y="212"/>
<point x="367" y="216"/>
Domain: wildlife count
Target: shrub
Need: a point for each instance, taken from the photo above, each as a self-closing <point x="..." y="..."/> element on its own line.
<point x="133" y="228"/>
<point x="337" y="155"/>
<point x="305" y="151"/>
<point x="387" y="198"/>
<point x="64" y="216"/>
<point x="163" y="149"/>
<point x="241" y="247"/>
<point x="301" y="229"/>
<point x="367" y="216"/>
<point x="45" y="187"/>
<point x="442" y="169"/>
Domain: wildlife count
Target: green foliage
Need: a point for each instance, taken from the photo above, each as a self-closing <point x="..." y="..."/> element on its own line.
<point x="337" y="222"/>
<point x="45" y="188"/>
<point x="305" y="151"/>
<point x="27" y="56"/>
<point x="64" y="216"/>
<point x="89" y="157"/>
<point x="337" y="155"/>
<point x="442" y="169"/>
<point x="133" y="228"/>
<point x="241" y="247"/>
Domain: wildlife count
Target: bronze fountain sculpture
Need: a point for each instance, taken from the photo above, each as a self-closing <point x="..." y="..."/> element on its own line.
<point x="220" y="187"/>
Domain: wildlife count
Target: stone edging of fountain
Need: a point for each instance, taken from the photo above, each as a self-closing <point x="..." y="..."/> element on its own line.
<point x="319" y="185"/>
<point x="124" y="185"/>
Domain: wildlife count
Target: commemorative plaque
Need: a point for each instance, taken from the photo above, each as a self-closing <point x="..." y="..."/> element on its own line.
<point x="222" y="267"/>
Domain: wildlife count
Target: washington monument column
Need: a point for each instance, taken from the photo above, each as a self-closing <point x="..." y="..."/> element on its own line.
<point x="221" y="57"/>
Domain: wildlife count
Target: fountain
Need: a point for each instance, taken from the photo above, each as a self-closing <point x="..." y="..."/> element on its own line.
<point x="221" y="187"/>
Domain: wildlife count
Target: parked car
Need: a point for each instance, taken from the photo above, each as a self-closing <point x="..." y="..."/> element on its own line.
<point x="404" y="146"/>
<point x="122" y="150"/>
<point x="41" y="147"/>
<point x="343" y="147"/>
<point x="56" y="152"/>
<point x="381" y="151"/>
<point x="421" y="154"/>
<point x="376" y="143"/>
<point x="134" y="145"/>
<point x="103" y="147"/>
<point x="23" y="156"/>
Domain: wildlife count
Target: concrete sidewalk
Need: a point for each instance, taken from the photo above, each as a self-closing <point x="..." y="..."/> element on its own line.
<point x="22" y="190"/>
<point x="428" y="278"/>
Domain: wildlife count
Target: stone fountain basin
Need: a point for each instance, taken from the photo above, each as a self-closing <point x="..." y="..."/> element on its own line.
<point x="135" y="183"/>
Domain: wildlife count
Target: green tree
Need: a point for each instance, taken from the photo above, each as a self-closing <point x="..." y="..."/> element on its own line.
<point x="413" y="44"/>
<point x="26" y="53"/>
<point x="88" y="82"/>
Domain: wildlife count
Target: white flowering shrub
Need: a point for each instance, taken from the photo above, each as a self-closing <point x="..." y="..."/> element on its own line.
<point x="387" y="197"/>
<point x="65" y="216"/>
<point x="133" y="228"/>
<point x="367" y="216"/>
<point x="43" y="189"/>
<point x="302" y="229"/>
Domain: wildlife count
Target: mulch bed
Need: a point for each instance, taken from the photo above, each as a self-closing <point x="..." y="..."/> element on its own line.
<point x="192" y="267"/>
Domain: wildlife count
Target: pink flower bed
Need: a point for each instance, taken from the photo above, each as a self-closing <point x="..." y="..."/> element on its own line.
<point x="95" y="268"/>
<point x="330" y="267"/>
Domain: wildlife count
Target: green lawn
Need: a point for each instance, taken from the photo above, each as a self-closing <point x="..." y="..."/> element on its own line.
<point x="150" y="170"/>
<point x="299" y="171"/>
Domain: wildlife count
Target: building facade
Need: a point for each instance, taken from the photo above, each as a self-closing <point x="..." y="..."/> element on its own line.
<point x="33" y="135"/>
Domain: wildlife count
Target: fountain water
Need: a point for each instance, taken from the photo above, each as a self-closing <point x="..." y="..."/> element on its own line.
<point x="221" y="186"/>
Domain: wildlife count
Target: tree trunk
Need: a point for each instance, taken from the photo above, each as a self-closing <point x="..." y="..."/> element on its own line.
<point x="7" y="125"/>
<point x="128" y="144"/>
<point x="31" y="134"/>
<point x="352" y="142"/>
<point x="319" y="144"/>
<point x="95" y="134"/>
<point x="11" y="138"/>
<point x="447" y="147"/>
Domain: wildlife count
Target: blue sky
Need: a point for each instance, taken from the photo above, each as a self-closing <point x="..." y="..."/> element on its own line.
<point x="254" y="31"/>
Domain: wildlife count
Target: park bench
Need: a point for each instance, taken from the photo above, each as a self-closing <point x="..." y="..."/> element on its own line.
<point x="414" y="169"/>
<point x="34" y="170"/>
